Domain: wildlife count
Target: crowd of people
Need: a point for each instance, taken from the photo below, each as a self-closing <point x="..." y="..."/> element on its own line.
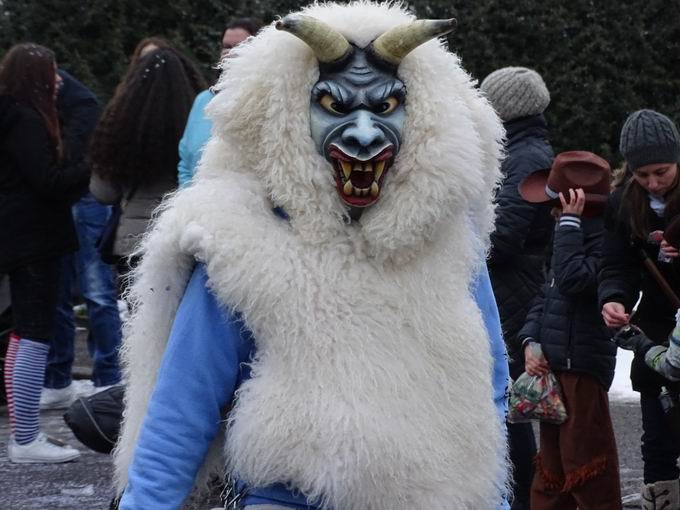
<point x="576" y="258"/>
<point x="68" y="166"/>
<point x="571" y="299"/>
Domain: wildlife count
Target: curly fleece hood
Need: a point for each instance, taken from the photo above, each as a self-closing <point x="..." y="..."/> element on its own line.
<point x="371" y="385"/>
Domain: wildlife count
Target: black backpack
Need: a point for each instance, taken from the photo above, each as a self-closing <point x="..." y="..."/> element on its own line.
<point x="95" y="420"/>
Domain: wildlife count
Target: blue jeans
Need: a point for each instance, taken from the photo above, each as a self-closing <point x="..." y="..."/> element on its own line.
<point x="97" y="286"/>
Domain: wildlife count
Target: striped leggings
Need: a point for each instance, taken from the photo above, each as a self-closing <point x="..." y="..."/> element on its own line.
<point x="33" y="290"/>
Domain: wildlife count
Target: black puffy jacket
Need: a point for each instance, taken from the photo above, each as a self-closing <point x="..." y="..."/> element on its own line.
<point x="522" y="230"/>
<point x="565" y="318"/>
<point x="623" y="276"/>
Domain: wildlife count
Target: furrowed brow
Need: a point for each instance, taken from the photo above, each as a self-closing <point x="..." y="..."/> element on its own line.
<point x="339" y="93"/>
<point x="390" y="88"/>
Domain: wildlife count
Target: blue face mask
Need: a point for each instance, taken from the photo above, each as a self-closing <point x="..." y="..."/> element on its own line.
<point x="357" y="106"/>
<point x="357" y="118"/>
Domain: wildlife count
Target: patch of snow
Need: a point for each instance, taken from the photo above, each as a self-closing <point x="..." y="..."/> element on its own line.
<point x="87" y="490"/>
<point x="631" y="501"/>
<point x="621" y="387"/>
<point x="123" y="310"/>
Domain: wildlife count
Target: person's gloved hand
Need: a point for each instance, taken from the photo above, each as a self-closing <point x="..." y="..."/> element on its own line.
<point x="632" y="338"/>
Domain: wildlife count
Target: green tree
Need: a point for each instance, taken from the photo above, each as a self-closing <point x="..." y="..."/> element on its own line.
<point x="93" y="39"/>
<point x="601" y="60"/>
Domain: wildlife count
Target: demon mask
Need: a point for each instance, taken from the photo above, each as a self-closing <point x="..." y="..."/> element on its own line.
<point x="357" y="105"/>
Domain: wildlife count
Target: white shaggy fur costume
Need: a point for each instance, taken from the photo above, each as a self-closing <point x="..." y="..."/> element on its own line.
<point x="371" y="386"/>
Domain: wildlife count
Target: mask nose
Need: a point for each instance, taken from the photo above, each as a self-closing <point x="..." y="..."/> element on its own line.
<point x="363" y="132"/>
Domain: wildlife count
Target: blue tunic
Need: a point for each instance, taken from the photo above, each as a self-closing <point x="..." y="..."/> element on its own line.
<point x="198" y="378"/>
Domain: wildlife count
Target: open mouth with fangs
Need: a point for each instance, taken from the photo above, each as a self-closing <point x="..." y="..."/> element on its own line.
<point x="359" y="182"/>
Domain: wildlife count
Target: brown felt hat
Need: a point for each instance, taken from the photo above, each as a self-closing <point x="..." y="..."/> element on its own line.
<point x="573" y="169"/>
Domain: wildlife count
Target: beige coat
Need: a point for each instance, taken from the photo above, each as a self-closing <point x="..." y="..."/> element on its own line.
<point x="136" y="211"/>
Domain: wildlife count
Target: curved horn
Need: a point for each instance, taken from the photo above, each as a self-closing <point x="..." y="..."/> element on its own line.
<point x="328" y="44"/>
<point x="395" y="44"/>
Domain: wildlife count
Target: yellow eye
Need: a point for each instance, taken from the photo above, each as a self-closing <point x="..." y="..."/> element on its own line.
<point x="331" y="105"/>
<point x="387" y="106"/>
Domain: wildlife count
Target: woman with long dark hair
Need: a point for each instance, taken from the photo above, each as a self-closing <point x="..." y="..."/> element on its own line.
<point x="641" y="208"/>
<point x="143" y="48"/>
<point x="36" y="226"/>
<point x="134" y="151"/>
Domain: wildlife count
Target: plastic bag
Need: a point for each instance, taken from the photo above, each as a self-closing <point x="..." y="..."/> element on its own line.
<point x="537" y="398"/>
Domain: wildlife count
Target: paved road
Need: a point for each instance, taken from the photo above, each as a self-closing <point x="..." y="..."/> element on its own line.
<point x="85" y="484"/>
<point x="628" y="428"/>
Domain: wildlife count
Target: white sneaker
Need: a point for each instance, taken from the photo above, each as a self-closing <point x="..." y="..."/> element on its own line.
<point x="83" y="387"/>
<point x="61" y="398"/>
<point x="42" y="450"/>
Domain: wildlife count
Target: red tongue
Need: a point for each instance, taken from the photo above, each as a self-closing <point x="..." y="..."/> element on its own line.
<point x="361" y="179"/>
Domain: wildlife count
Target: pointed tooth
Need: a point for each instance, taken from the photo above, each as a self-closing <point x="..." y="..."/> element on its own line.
<point x="368" y="166"/>
<point x="375" y="189"/>
<point x="348" y="188"/>
<point x="379" y="168"/>
<point x="346" y="168"/>
<point x="357" y="166"/>
<point x="357" y="192"/>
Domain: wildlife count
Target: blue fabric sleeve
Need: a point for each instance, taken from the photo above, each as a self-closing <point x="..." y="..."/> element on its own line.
<point x="196" y="134"/>
<point x="183" y="172"/>
<point x="196" y="380"/>
<point x="486" y="301"/>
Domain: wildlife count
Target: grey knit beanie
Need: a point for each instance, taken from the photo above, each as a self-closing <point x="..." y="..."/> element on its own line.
<point x="647" y="138"/>
<point x="516" y="92"/>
